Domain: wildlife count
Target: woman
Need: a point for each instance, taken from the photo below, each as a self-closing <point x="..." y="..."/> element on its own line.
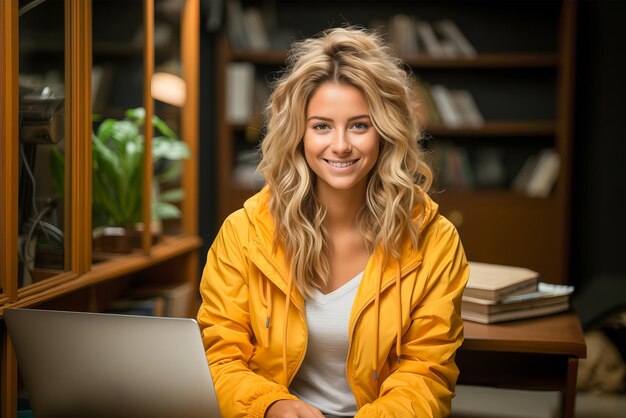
<point x="336" y="290"/>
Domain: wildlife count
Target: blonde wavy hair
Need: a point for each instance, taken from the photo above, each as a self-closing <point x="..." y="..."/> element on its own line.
<point x="359" y="58"/>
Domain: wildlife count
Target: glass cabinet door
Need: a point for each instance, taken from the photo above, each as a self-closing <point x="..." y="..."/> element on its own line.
<point x="169" y="91"/>
<point x="119" y="77"/>
<point x="118" y="140"/>
<point x="44" y="195"/>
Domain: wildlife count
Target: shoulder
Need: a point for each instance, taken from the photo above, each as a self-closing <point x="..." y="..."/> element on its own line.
<point x="439" y="240"/>
<point x="433" y="225"/>
<point x="247" y="221"/>
<point x="442" y="228"/>
<point x="440" y="235"/>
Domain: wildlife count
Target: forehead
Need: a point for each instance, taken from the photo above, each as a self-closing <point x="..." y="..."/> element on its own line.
<point x="332" y="98"/>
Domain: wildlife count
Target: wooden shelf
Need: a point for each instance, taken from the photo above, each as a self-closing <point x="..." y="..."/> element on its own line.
<point x="506" y="197"/>
<point x="258" y="57"/>
<point x="108" y="48"/>
<point x="504" y="128"/>
<point x="486" y="61"/>
<point x="481" y="61"/>
<point x="117" y="266"/>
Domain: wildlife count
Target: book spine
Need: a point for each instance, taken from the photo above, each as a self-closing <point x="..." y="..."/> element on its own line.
<point x="467" y="106"/>
<point x="450" y="30"/>
<point x="449" y="114"/>
<point x="545" y="174"/>
<point x="239" y="92"/>
<point x="429" y="39"/>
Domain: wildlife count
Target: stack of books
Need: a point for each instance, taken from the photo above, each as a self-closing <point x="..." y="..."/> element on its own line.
<point x="172" y="300"/>
<point x="496" y="293"/>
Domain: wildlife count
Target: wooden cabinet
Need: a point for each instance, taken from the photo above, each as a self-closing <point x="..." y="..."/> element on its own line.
<point x="54" y="44"/>
<point x="521" y="79"/>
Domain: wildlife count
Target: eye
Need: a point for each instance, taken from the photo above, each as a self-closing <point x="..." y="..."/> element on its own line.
<point x="360" y="126"/>
<point x="321" y="127"/>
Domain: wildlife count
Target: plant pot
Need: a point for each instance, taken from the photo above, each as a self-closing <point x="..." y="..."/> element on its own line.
<point x="117" y="240"/>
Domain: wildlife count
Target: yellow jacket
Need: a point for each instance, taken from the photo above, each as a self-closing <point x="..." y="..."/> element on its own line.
<point x="405" y="324"/>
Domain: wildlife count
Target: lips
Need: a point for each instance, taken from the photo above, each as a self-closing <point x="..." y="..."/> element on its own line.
<point x="341" y="164"/>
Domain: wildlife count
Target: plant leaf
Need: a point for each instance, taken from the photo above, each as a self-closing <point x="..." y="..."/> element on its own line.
<point x="57" y="171"/>
<point x="172" y="172"/>
<point x="160" y="124"/>
<point x="137" y="115"/>
<point x="105" y="129"/>
<point x="164" y="210"/>
<point x="117" y="176"/>
<point x="172" y="195"/>
<point x="171" y="150"/>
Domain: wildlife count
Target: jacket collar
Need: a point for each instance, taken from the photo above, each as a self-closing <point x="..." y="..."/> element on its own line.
<point x="272" y="262"/>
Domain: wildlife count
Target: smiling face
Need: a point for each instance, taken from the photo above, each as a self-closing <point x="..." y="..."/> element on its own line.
<point x="340" y="142"/>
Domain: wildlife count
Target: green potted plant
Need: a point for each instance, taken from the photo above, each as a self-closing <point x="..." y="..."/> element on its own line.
<point x="117" y="152"/>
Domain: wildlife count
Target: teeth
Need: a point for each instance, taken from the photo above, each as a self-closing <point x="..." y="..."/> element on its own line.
<point x="340" y="165"/>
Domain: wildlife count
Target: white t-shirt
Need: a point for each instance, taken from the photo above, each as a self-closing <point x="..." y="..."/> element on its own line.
<point x="321" y="380"/>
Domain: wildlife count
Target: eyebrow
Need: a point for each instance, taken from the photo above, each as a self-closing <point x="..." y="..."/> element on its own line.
<point x="331" y="120"/>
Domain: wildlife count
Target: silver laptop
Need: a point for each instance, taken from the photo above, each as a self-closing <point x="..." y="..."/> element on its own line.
<point x="88" y="365"/>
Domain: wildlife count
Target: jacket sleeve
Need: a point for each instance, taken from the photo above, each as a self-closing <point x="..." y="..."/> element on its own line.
<point x="422" y="384"/>
<point x="224" y="320"/>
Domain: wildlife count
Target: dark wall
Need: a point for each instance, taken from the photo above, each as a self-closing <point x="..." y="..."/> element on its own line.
<point x="207" y="213"/>
<point x="599" y="180"/>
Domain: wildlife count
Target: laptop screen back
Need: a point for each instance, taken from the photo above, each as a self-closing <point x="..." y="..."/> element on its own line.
<point x="78" y="364"/>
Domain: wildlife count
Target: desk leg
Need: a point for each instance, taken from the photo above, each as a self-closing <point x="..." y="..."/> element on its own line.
<point x="568" y="396"/>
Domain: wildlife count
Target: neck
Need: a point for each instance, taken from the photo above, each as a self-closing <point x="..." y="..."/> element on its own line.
<point x="342" y="206"/>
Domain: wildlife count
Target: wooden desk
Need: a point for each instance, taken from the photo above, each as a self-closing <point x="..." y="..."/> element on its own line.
<point x="534" y="354"/>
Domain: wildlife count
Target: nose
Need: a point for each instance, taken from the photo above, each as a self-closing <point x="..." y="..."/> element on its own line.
<point x="340" y="142"/>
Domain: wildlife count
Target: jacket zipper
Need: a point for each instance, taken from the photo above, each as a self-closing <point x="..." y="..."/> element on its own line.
<point x="302" y="318"/>
<point x="271" y="261"/>
<point x="302" y="352"/>
<point x="406" y="271"/>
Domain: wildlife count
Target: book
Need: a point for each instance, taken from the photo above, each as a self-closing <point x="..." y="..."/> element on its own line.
<point x="426" y="110"/>
<point x="402" y="34"/>
<point x="451" y="32"/>
<point x="496" y="281"/>
<point x="176" y="297"/>
<point x="429" y="39"/>
<point x="464" y="103"/>
<point x="152" y="306"/>
<point x="236" y="30"/>
<point x="256" y="32"/>
<point x="239" y="92"/>
<point x="532" y="312"/>
<point x="544" y="175"/>
<point x="447" y="110"/>
<point x="490" y="170"/>
<point x="521" y="178"/>
<point x="546" y="294"/>
<point x="458" y="168"/>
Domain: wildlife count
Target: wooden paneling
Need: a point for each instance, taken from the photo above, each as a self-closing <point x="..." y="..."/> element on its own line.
<point x="190" y="45"/>
<point x="85" y="286"/>
<point x="8" y="149"/>
<point x="78" y="131"/>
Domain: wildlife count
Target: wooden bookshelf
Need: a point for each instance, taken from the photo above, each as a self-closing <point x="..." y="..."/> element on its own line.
<point x="88" y="281"/>
<point x="504" y="129"/>
<point x="523" y="84"/>
<point x="485" y="61"/>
